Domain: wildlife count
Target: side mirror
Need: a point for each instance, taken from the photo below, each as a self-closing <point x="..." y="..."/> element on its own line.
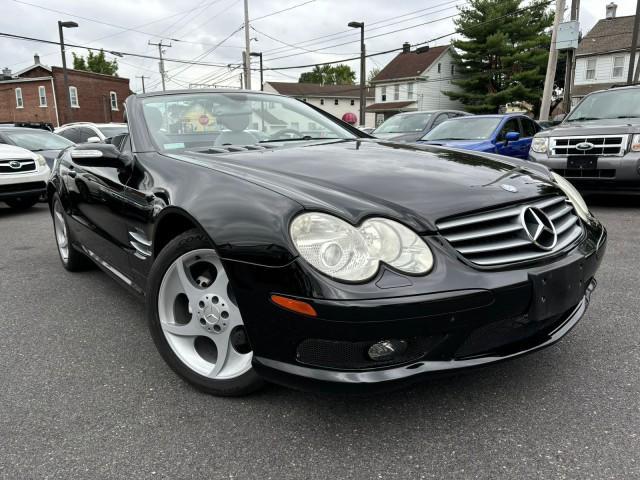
<point x="511" y="137"/>
<point x="99" y="155"/>
<point x="93" y="140"/>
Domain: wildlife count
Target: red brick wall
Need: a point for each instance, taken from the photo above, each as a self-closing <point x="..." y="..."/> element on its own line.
<point x="93" y="96"/>
<point x="31" y="112"/>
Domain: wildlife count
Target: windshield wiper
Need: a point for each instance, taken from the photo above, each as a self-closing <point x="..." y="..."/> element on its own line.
<point x="628" y="116"/>
<point x="299" y="139"/>
<point x="583" y="118"/>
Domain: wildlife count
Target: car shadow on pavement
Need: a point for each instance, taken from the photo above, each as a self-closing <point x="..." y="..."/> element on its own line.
<point x="612" y="200"/>
<point x="6" y="211"/>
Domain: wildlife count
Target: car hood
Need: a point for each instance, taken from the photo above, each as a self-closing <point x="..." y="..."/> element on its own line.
<point x="609" y="126"/>
<point x="356" y="179"/>
<point x="465" y="144"/>
<point x="400" y="137"/>
<point x="49" y="156"/>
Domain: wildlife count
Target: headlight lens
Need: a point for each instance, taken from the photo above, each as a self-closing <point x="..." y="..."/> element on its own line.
<point x="574" y="196"/>
<point x="635" y="143"/>
<point x="353" y="254"/>
<point x="540" y="144"/>
<point x="41" y="160"/>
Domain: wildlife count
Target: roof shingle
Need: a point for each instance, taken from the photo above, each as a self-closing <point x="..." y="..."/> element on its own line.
<point x="608" y="35"/>
<point x="292" y="89"/>
<point x="409" y="64"/>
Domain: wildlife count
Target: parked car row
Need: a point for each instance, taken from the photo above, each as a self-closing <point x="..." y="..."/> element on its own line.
<point x="27" y="155"/>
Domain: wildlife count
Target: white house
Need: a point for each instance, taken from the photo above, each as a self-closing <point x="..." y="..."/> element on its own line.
<point x="415" y="81"/>
<point x="602" y="58"/>
<point x="338" y="100"/>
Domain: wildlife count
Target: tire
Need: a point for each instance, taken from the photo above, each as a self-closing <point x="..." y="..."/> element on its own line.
<point x="194" y="321"/>
<point x="22" y="203"/>
<point x="72" y="260"/>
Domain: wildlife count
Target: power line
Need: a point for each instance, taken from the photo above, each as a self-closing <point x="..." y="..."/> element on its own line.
<point x="280" y="11"/>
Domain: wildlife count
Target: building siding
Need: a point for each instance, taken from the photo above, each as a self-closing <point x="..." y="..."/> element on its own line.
<point x="604" y="69"/>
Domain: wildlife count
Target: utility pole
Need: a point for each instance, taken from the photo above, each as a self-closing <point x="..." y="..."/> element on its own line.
<point x="363" y="72"/>
<point x="247" y="40"/>
<point x="259" y="54"/>
<point x="142" y="78"/>
<point x="571" y="54"/>
<point x="633" y="72"/>
<point x="241" y="81"/>
<point x="551" y="64"/>
<point x="161" y="64"/>
<point x="62" y="25"/>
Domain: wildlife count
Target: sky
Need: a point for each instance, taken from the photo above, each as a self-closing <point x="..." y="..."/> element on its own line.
<point x="286" y="32"/>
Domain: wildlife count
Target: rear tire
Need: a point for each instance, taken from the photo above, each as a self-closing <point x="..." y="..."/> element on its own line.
<point x="22" y="203"/>
<point x="194" y="321"/>
<point x="72" y="260"/>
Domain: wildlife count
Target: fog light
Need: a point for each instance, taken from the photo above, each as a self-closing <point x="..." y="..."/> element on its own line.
<point x="387" y="350"/>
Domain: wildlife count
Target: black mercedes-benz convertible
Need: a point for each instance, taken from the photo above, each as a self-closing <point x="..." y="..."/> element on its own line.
<point x="273" y="242"/>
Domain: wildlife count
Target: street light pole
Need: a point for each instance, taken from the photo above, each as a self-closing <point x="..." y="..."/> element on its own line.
<point x="247" y="39"/>
<point x="65" y="75"/>
<point x="360" y="25"/>
<point x="259" y="54"/>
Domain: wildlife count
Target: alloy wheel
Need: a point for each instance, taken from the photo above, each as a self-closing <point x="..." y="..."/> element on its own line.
<point x="60" y="227"/>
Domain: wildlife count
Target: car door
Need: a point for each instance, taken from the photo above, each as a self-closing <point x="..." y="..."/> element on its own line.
<point x="529" y="129"/>
<point x="97" y="204"/>
<point x="85" y="133"/>
<point x="509" y="149"/>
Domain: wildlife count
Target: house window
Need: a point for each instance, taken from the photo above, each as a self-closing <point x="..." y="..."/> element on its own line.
<point x="409" y="91"/>
<point x="42" y="95"/>
<point x="591" y="69"/>
<point x="114" y="100"/>
<point x="396" y="92"/>
<point x="19" y="100"/>
<point x="322" y="101"/>
<point x="353" y="102"/>
<point x="335" y="102"/>
<point x="73" y="97"/>
<point x="618" y="66"/>
<point x="383" y="91"/>
<point x="439" y="68"/>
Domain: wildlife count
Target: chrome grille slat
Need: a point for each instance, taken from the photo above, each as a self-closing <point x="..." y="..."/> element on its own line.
<point x="25" y="166"/>
<point x="603" y="145"/>
<point x="498" y="237"/>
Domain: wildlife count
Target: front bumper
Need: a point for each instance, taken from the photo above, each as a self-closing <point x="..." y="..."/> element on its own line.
<point x="473" y="317"/>
<point x="617" y="174"/>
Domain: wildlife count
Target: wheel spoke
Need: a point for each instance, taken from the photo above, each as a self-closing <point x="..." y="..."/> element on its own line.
<point x="222" y="345"/>
<point x="191" y="329"/>
<point x="188" y="288"/>
<point x="220" y="284"/>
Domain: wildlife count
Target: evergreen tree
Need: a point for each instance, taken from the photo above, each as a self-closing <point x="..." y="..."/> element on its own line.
<point x="95" y="63"/>
<point x="503" y="54"/>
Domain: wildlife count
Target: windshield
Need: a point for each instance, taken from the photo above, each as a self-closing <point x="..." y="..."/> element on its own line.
<point x="610" y="104"/>
<point x="38" y="140"/>
<point x="404" y="123"/>
<point x="468" y="128"/>
<point x="205" y="120"/>
<point x="113" y="131"/>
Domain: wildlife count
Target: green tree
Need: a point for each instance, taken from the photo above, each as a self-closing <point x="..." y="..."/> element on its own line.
<point x="373" y="73"/>
<point x="503" y="54"/>
<point x="95" y="63"/>
<point x="329" y="75"/>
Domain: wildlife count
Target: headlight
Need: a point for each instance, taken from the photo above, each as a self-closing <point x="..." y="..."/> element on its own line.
<point x="540" y="144"/>
<point x="345" y="252"/>
<point x="635" y="143"/>
<point x="41" y="160"/>
<point x="574" y="196"/>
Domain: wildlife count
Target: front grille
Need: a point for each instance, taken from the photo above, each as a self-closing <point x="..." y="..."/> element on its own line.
<point x="586" y="173"/>
<point x="19" y="166"/>
<point x="602" y="146"/>
<point x="23" y="187"/>
<point x="498" y="237"/>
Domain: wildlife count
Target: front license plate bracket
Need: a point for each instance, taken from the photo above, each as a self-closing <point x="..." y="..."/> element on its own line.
<point x="556" y="291"/>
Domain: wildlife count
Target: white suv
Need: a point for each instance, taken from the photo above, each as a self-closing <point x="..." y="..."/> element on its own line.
<point x="85" y="132"/>
<point x="23" y="176"/>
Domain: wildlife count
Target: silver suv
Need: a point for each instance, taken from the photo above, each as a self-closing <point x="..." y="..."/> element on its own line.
<point x="597" y="146"/>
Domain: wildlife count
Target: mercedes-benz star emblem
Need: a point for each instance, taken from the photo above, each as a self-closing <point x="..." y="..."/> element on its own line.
<point x="539" y="228"/>
<point x="15" y="165"/>
<point x="584" y="146"/>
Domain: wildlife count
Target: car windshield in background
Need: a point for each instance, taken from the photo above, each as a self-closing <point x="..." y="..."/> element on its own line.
<point x="615" y="103"/>
<point x="113" y="131"/>
<point x="38" y="140"/>
<point x="469" y="128"/>
<point x="404" y="123"/>
<point x="205" y="120"/>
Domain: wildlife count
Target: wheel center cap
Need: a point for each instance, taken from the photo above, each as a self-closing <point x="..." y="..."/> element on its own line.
<point x="211" y="314"/>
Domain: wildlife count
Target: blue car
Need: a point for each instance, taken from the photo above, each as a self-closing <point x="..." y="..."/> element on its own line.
<point x="508" y="135"/>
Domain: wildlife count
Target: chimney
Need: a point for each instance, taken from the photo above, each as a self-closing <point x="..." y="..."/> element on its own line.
<point x="36" y="59"/>
<point x="406" y="47"/>
<point x="6" y="73"/>
<point x="611" y="10"/>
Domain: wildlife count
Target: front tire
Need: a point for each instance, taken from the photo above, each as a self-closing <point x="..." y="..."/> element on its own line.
<point x="194" y="320"/>
<point x="72" y="260"/>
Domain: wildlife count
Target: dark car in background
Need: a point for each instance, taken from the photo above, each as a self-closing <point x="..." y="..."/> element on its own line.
<point x="597" y="146"/>
<point x="411" y="126"/>
<point x="39" y="141"/>
<point x="509" y="135"/>
<point x="337" y="261"/>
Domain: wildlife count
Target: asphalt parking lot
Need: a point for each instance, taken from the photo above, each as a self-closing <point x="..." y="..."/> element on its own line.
<point x="83" y="393"/>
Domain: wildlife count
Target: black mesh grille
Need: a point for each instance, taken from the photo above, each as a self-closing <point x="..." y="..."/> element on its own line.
<point x="586" y="173"/>
<point x="353" y="355"/>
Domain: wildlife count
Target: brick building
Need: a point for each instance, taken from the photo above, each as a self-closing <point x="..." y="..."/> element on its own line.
<point x="37" y="94"/>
